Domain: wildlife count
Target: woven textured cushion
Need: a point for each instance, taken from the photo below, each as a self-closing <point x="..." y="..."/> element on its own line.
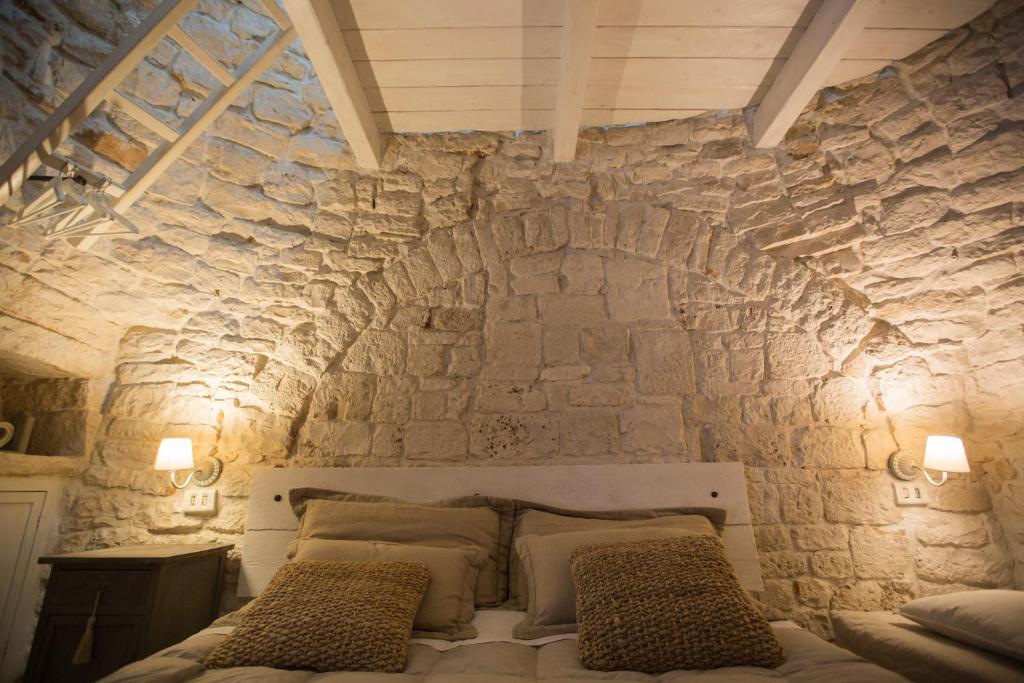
<point x="536" y="519"/>
<point x="668" y="604"/>
<point x="545" y="560"/>
<point x="454" y="523"/>
<point x="329" y="616"/>
<point x="447" y="607"/>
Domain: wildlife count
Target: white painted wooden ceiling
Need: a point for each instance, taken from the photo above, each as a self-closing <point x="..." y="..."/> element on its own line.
<point x="437" y="65"/>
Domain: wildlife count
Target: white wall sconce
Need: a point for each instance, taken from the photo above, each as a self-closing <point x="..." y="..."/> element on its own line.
<point x="943" y="453"/>
<point x="176" y="454"/>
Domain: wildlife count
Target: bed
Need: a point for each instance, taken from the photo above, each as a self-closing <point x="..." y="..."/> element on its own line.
<point x="921" y="655"/>
<point x="495" y="654"/>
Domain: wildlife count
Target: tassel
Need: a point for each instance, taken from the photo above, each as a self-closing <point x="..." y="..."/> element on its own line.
<point x="83" y="653"/>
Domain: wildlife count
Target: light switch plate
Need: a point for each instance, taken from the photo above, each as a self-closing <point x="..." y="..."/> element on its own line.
<point x="199" y="501"/>
<point x="910" y="493"/>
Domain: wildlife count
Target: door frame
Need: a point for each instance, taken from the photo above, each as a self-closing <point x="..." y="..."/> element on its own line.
<point x="45" y="541"/>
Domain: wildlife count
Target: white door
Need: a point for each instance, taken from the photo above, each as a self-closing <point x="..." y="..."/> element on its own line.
<point x="22" y="540"/>
<point x="19" y="522"/>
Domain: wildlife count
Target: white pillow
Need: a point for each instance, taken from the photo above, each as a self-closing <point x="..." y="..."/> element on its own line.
<point x="989" y="619"/>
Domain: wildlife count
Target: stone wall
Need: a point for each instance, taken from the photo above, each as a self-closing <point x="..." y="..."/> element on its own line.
<point x="673" y="295"/>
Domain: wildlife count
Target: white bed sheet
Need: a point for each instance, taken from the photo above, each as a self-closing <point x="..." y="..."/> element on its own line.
<point x="493" y="626"/>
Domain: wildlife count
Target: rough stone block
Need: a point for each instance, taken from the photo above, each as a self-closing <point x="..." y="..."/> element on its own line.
<point x="984" y="567"/>
<point x="664" y="363"/>
<point x="376" y="352"/>
<point x="858" y="498"/>
<point x="794" y="354"/>
<point x="513" y="436"/>
<point x="801" y="503"/>
<point x="570" y="309"/>
<point x="583" y="272"/>
<point x="832" y="564"/>
<point x="514" y="344"/>
<point x="433" y="440"/>
<point x="652" y="429"/>
<point x="963" y="530"/>
<point x="879" y="553"/>
<point x="561" y="346"/>
<point x="637" y="290"/>
<point x="589" y="432"/>
<point x="822" y="446"/>
<point x="821" y="537"/>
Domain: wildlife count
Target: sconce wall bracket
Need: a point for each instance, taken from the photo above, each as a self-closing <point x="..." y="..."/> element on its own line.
<point x="901" y="467"/>
<point x="205" y="475"/>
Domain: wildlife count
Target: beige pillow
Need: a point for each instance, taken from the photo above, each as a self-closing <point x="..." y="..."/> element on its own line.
<point x="537" y="522"/>
<point x="667" y="604"/>
<point x="545" y="559"/>
<point x="329" y="616"/>
<point x="990" y="619"/>
<point x="447" y="607"/>
<point x="456" y="523"/>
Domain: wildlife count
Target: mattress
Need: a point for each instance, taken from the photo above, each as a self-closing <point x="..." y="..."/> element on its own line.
<point x="808" y="660"/>
<point x="919" y="654"/>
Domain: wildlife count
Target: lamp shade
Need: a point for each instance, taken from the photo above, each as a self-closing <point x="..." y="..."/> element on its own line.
<point x="945" y="454"/>
<point x="174" y="454"/>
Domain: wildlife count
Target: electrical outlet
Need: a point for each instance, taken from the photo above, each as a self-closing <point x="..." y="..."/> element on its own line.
<point x="199" y="501"/>
<point x="910" y="493"/>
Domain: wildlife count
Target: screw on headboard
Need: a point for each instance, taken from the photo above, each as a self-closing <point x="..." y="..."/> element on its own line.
<point x="277" y="498"/>
<point x="714" y="494"/>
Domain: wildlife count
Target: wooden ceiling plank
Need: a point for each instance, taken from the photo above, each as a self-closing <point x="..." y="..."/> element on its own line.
<point x="672" y="73"/>
<point x="829" y="36"/>
<point x="317" y="26"/>
<point x="672" y="97"/>
<point x="930" y="14"/>
<point x="577" y="39"/>
<point x="891" y="43"/>
<point x="618" y="117"/>
<point x="492" y="98"/>
<point x="433" y="73"/>
<point x="467" y="98"/>
<point x="850" y="69"/>
<point x="717" y="13"/>
<point x="736" y="42"/>
<point x="514" y="42"/>
<point x="375" y="14"/>
<point x="516" y="119"/>
<point x="369" y="15"/>
<point x="430" y="121"/>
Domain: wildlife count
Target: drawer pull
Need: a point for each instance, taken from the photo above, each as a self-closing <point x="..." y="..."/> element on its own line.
<point x="83" y="653"/>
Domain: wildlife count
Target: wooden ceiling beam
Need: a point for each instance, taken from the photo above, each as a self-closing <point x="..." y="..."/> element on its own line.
<point x="577" y="39"/>
<point x="321" y="35"/>
<point x="831" y="33"/>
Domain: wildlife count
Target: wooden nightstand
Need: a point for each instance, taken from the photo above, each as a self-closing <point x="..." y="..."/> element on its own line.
<point x="150" y="596"/>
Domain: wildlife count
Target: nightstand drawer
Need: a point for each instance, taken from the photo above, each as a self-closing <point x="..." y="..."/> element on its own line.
<point x="73" y="591"/>
<point x="115" y="643"/>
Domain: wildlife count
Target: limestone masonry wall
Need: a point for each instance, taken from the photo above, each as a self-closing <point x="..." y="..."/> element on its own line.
<point x="675" y="294"/>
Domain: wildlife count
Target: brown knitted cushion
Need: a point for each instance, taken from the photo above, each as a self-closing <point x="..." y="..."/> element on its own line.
<point x="329" y="616"/>
<point x="666" y="604"/>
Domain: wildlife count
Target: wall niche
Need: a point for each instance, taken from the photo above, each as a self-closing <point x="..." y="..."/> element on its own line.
<point x="63" y="420"/>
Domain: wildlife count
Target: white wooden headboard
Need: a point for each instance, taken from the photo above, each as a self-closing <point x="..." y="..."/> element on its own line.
<point x="271" y="523"/>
